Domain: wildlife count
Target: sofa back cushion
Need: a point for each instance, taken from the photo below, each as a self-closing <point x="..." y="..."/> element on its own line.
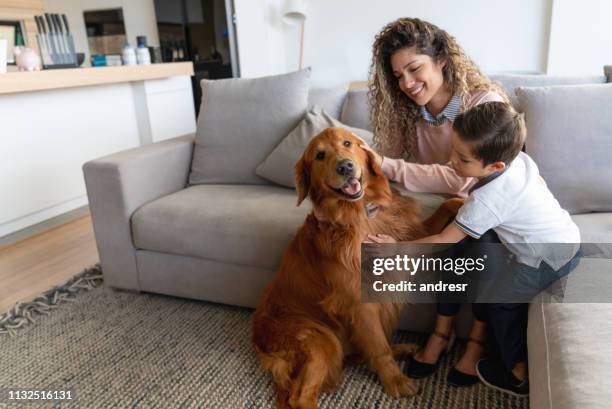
<point x="279" y="165"/>
<point x="241" y="121"/>
<point x="511" y="82"/>
<point x="329" y="99"/>
<point x="569" y="135"/>
<point x="356" y="112"/>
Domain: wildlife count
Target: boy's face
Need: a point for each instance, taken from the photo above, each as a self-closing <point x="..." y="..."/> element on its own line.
<point x="465" y="164"/>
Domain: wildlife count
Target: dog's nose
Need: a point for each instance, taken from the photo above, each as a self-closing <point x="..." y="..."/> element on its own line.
<point x="345" y="167"/>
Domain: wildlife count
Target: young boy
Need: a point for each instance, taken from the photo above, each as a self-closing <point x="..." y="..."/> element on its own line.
<point x="511" y="199"/>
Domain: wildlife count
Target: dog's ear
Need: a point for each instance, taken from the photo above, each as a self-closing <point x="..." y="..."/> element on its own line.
<point x="302" y="180"/>
<point x="373" y="166"/>
<point x="377" y="188"/>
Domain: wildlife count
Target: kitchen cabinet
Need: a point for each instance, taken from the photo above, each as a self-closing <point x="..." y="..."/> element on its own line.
<point x="51" y="122"/>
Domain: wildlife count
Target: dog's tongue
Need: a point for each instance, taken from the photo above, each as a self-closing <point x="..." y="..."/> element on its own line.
<point x="352" y="187"/>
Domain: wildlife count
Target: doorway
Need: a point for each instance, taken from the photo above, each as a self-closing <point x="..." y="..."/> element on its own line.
<point x="200" y="31"/>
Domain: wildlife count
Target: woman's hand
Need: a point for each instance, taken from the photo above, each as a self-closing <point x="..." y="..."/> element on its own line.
<point x="365" y="146"/>
<point x="380" y="238"/>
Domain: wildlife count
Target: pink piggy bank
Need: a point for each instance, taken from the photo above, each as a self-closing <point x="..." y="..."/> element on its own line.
<point x="27" y="59"/>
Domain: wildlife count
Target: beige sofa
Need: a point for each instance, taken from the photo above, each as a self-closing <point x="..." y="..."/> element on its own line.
<point x="222" y="243"/>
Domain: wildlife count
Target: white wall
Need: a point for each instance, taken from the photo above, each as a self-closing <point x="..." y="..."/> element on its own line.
<point x="341" y="51"/>
<point x="260" y="36"/>
<point x="138" y="15"/>
<point x="339" y="34"/>
<point x="580" y="37"/>
<point x="500" y="36"/>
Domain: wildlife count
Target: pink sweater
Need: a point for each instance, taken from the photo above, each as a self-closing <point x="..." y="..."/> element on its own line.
<point x="433" y="150"/>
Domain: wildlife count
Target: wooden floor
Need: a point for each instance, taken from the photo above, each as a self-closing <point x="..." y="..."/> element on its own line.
<point x="36" y="264"/>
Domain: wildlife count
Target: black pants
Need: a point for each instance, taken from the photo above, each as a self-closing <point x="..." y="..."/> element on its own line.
<point x="507" y="334"/>
<point x="507" y="329"/>
<point x="479" y="310"/>
<point x="507" y="322"/>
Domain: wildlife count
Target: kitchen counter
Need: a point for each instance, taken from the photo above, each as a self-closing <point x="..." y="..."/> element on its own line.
<point x="16" y="82"/>
<point x="53" y="121"/>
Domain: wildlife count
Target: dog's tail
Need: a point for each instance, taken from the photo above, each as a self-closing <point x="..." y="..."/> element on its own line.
<point x="279" y="364"/>
<point x="310" y="363"/>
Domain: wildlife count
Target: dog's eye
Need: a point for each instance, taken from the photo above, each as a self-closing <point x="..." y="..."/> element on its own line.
<point x="347" y="144"/>
<point x="320" y="155"/>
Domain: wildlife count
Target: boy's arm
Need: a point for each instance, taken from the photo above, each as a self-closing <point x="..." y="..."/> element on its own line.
<point x="450" y="234"/>
<point x="426" y="178"/>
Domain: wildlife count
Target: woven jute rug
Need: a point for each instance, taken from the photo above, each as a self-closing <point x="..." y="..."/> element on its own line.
<point x="117" y="349"/>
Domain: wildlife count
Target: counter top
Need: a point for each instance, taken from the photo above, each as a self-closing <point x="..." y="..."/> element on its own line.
<point x="16" y="82"/>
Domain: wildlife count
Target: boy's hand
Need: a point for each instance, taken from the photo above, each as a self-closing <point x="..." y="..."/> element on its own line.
<point x="380" y="238"/>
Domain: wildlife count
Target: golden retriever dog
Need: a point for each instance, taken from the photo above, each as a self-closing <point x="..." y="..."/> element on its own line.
<point x="310" y="318"/>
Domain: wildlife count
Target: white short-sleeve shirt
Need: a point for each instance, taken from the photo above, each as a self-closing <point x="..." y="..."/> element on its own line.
<point x="518" y="206"/>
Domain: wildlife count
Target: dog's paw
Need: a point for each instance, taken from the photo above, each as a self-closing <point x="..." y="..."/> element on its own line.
<point x="400" y="385"/>
<point x="404" y="350"/>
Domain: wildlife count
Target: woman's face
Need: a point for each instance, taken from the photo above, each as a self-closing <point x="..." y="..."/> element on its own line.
<point x="418" y="75"/>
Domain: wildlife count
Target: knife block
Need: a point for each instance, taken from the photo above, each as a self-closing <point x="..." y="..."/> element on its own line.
<point x="57" y="51"/>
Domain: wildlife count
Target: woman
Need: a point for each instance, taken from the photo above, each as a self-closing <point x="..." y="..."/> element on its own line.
<point x="420" y="79"/>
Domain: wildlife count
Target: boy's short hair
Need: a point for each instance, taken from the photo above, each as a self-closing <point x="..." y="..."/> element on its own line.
<point x="494" y="130"/>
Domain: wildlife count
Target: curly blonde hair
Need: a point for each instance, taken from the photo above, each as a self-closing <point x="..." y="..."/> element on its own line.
<point x="393" y="114"/>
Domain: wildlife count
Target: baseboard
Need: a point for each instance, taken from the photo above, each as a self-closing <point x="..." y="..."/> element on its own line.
<point x="41" y="215"/>
<point x="43" y="226"/>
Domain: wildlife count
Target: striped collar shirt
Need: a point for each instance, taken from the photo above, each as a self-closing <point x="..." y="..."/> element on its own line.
<point x="450" y="111"/>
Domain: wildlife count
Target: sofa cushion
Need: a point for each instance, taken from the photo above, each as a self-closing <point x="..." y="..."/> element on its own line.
<point x="330" y="99"/>
<point x="241" y="121"/>
<point x="570" y="138"/>
<point x="241" y="224"/>
<point x="511" y="82"/>
<point x="570" y="355"/>
<point x="278" y="166"/>
<point x="594" y="227"/>
<point x="356" y="112"/>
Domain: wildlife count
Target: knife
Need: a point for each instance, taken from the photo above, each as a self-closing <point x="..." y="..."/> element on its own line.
<point x="49" y="44"/>
<point x="66" y="23"/>
<point x="60" y="37"/>
<point x="68" y="40"/>
<point x="38" y="27"/>
<point x="54" y="48"/>
<point x="44" y="46"/>
<point x="40" y="36"/>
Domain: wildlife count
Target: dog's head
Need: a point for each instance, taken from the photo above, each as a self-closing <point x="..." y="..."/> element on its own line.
<point x="334" y="168"/>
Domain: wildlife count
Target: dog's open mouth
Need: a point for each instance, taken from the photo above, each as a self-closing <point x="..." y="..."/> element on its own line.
<point x="351" y="190"/>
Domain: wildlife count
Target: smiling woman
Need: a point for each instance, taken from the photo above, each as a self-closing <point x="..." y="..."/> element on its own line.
<point x="420" y="80"/>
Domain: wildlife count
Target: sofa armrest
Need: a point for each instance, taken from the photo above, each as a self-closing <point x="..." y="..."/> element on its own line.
<point x="119" y="184"/>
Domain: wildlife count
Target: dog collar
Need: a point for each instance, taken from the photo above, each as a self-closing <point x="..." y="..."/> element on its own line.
<point x="371" y="209"/>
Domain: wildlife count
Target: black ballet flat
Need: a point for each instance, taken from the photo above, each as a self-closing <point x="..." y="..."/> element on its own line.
<point x="420" y="370"/>
<point x="461" y="379"/>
